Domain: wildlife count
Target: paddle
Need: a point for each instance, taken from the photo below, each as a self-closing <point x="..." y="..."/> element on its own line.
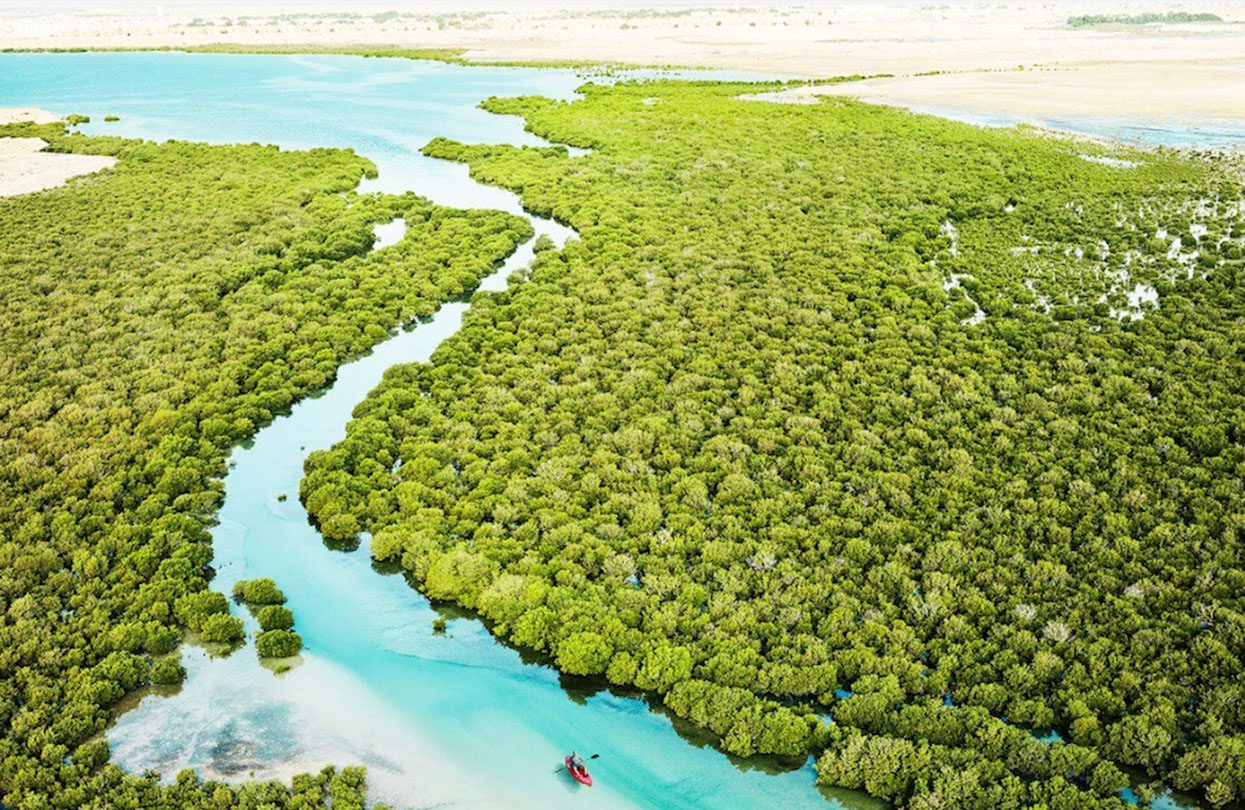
<point x="563" y="767"/>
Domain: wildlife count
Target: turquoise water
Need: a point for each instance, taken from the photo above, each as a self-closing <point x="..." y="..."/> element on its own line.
<point x="454" y="720"/>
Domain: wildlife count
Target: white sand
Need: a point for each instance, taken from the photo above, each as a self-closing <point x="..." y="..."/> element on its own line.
<point x="24" y="168"/>
<point x="273" y="728"/>
<point x="1179" y="90"/>
<point x="16" y="115"/>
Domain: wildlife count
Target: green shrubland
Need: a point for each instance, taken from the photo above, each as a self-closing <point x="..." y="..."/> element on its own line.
<point x="152" y="317"/>
<point x="838" y="397"/>
<point x="1148" y="18"/>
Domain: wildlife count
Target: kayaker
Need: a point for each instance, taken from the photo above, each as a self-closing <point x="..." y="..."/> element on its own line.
<point x="577" y="761"/>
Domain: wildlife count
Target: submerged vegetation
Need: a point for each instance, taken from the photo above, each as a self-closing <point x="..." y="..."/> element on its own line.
<point x="838" y="411"/>
<point x="154" y="316"/>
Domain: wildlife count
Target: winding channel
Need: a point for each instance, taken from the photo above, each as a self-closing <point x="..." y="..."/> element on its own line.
<point x="453" y="720"/>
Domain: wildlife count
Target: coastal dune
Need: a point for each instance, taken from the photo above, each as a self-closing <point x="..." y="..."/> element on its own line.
<point x="24" y="166"/>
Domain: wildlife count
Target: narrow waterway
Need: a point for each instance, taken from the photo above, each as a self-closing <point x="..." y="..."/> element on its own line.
<point x="440" y="720"/>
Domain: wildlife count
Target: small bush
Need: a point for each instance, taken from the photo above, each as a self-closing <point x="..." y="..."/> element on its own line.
<point x="167" y="672"/>
<point x="278" y="644"/>
<point x="194" y="609"/>
<point x="275" y="617"/>
<point x="258" y="592"/>
<point x="222" y="628"/>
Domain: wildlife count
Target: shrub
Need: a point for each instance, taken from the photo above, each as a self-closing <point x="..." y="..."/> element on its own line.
<point x="258" y="592"/>
<point x="222" y="628"/>
<point x="167" y="672"/>
<point x="278" y="644"/>
<point x="275" y="617"/>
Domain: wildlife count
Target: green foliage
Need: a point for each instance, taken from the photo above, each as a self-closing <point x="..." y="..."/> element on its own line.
<point x="167" y="672"/>
<point x="448" y="55"/>
<point x="152" y="317"/>
<point x="1147" y="18"/>
<point x="256" y="592"/>
<point x="221" y="628"/>
<point x="111" y="787"/>
<point x="843" y="397"/>
<point x="275" y="617"/>
<point x="1217" y="767"/>
<point x="278" y="643"/>
<point x="193" y="609"/>
<point x="584" y="653"/>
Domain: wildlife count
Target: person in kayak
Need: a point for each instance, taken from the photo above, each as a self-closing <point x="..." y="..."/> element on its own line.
<point x="577" y="762"/>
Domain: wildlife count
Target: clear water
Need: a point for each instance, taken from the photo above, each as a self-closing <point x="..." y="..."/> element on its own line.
<point x="388" y="233"/>
<point x="446" y="720"/>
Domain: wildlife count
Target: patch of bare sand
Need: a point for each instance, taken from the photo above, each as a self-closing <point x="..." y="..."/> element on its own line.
<point x="1192" y="89"/>
<point x="25" y="168"/>
<point x="16" y="115"/>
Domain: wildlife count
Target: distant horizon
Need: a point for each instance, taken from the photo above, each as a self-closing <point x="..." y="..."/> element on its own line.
<point x="416" y="6"/>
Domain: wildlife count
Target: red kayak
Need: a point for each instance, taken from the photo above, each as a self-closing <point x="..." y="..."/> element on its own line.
<point x="579" y="774"/>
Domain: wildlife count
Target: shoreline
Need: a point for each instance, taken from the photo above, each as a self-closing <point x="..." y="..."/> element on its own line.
<point x="1019" y="56"/>
<point x="25" y="168"/>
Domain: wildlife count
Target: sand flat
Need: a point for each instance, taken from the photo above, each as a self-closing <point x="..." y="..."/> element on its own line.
<point x="16" y="115"/>
<point x="24" y="168"/>
<point x="1170" y="90"/>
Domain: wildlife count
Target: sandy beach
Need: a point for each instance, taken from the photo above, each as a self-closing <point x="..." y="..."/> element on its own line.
<point x="1017" y="56"/>
<point x="16" y="115"/>
<point x="24" y="168"/>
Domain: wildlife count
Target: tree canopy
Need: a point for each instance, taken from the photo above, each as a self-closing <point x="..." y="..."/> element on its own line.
<point x="838" y="411"/>
<point x="152" y="317"/>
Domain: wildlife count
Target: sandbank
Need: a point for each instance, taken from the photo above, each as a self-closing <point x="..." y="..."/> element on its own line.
<point x="25" y="168"/>
<point x="1191" y="90"/>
